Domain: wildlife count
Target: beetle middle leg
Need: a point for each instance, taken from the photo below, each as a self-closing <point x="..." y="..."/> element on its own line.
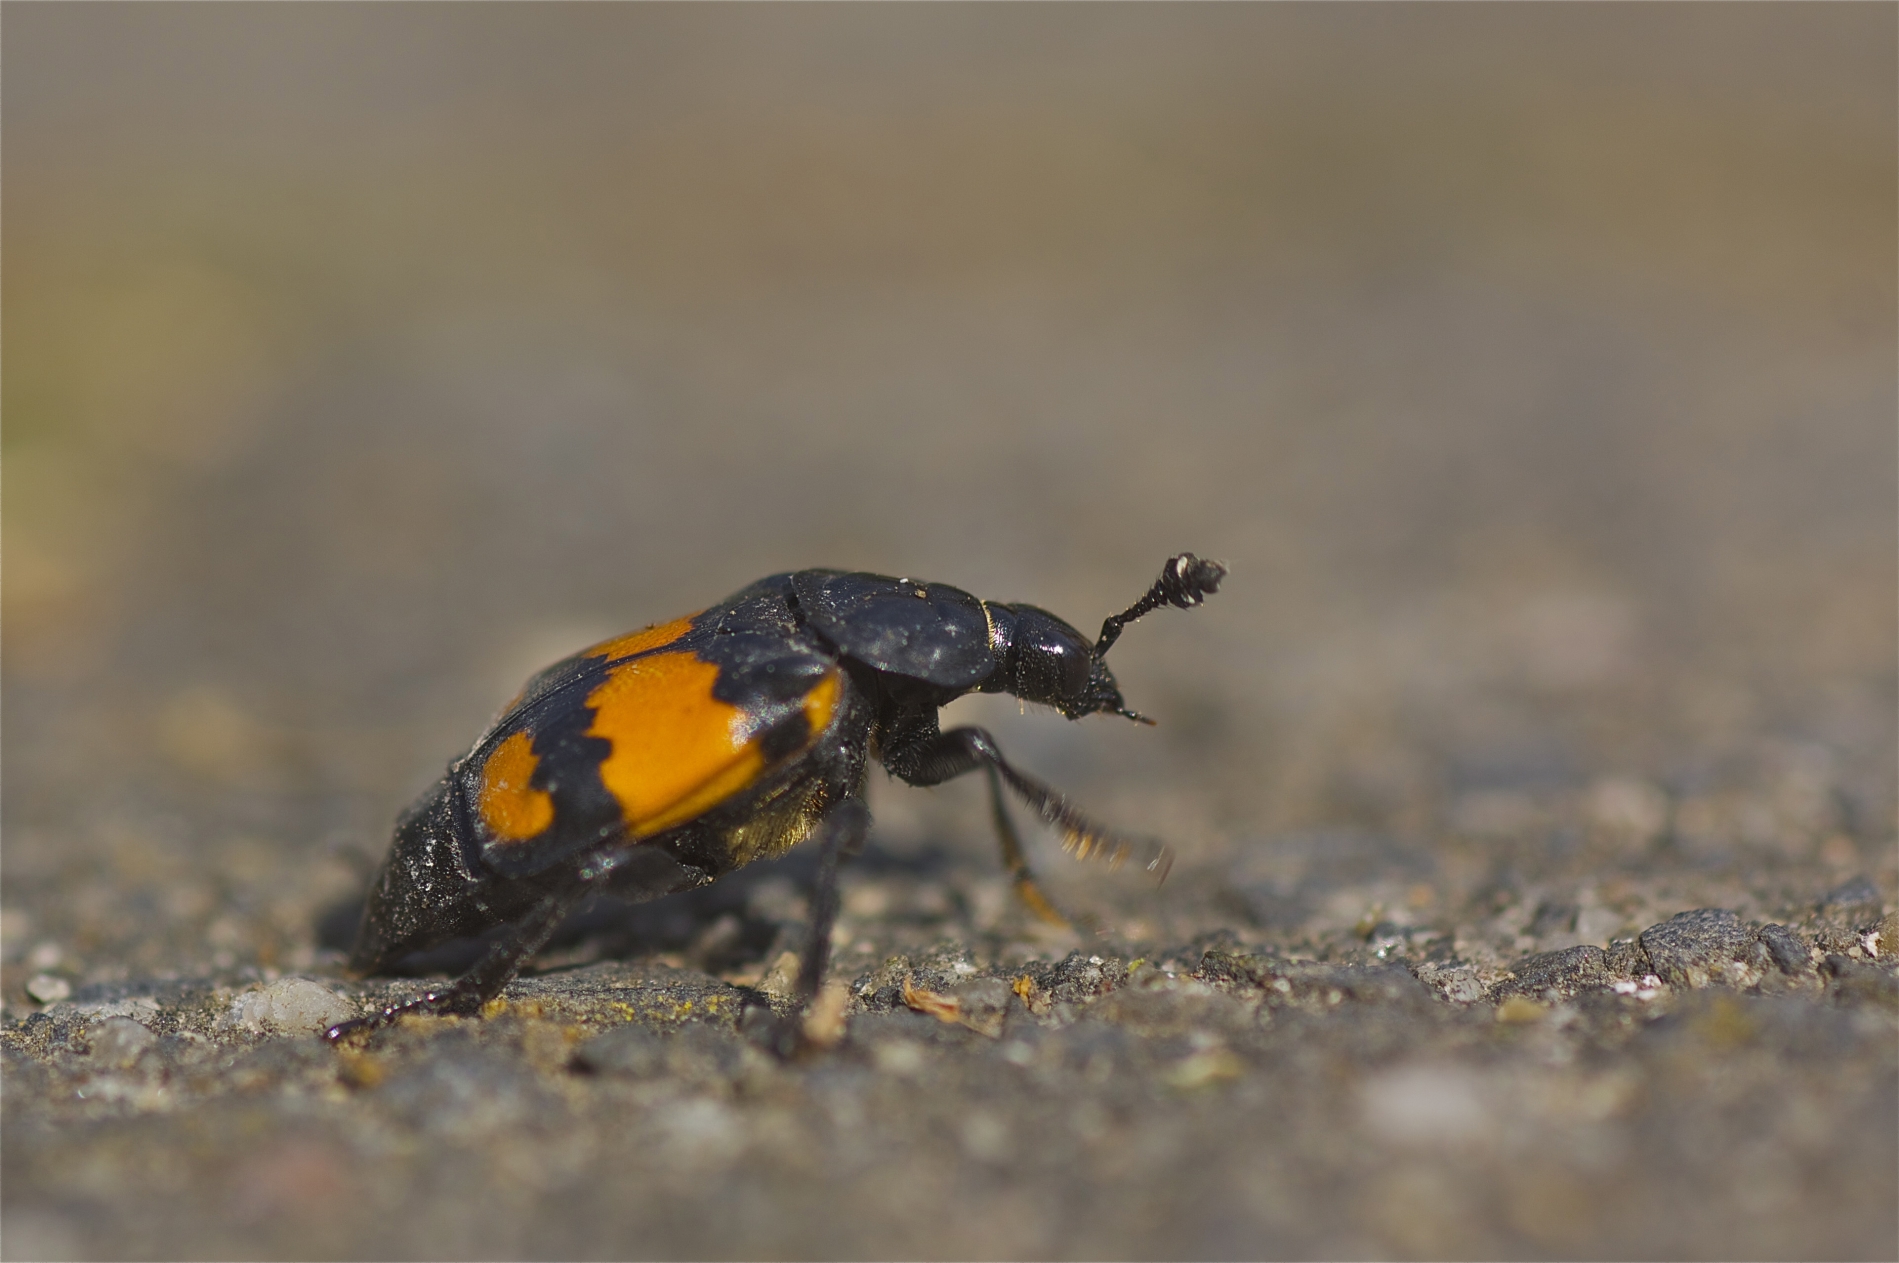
<point x="842" y="834"/>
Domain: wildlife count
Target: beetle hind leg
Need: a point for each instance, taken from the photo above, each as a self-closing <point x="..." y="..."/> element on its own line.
<point x="485" y="980"/>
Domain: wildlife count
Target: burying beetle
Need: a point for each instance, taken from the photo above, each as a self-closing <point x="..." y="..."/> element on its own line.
<point x="666" y="758"/>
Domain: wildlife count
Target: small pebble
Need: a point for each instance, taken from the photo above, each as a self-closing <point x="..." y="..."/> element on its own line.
<point x="1786" y="949"/>
<point x="983" y="1004"/>
<point x="781" y="980"/>
<point x="1460" y="985"/>
<point x="48" y="989"/>
<point x="289" y="1004"/>
<point x="118" y="1041"/>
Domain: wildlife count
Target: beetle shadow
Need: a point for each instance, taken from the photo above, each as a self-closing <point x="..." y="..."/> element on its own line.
<point x="736" y="922"/>
<point x="335" y="927"/>
<point x="721" y="927"/>
<point x="744" y="918"/>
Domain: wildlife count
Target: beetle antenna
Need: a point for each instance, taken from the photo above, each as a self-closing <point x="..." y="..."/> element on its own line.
<point x="1185" y="581"/>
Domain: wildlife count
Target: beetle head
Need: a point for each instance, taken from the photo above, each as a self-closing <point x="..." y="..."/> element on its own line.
<point x="1046" y="661"/>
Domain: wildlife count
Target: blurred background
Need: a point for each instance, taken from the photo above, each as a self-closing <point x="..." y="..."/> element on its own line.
<point x="1532" y="368"/>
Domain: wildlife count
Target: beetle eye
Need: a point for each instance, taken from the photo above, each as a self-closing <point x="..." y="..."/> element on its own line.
<point x="1071" y="664"/>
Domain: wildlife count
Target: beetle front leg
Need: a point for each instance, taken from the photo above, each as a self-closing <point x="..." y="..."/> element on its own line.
<point x="1027" y="888"/>
<point x="920" y="754"/>
<point x="925" y="755"/>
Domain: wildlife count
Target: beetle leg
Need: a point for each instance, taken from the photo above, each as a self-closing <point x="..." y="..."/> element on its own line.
<point x="482" y="983"/>
<point x="1027" y="889"/>
<point x="844" y="829"/>
<point x="923" y="756"/>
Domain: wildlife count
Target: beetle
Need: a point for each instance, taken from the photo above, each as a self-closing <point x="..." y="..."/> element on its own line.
<point x="664" y="759"/>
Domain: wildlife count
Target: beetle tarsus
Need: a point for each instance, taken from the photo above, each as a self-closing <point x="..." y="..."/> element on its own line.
<point x="428" y="1002"/>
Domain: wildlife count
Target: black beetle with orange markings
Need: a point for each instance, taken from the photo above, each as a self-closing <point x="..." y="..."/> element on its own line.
<point x="666" y="758"/>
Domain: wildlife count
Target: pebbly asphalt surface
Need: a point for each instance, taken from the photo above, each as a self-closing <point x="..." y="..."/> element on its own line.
<point x="1532" y="777"/>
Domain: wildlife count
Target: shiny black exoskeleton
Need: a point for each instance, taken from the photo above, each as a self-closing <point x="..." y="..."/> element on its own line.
<point x="666" y="758"/>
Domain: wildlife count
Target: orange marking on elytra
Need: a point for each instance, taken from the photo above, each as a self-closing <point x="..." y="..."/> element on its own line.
<point x="678" y="751"/>
<point x="514" y="810"/>
<point x="658" y="636"/>
<point x="676" y="748"/>
<point x="821" y="703"/>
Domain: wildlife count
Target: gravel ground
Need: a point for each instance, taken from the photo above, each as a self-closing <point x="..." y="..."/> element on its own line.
<point x="1532" y="778"/>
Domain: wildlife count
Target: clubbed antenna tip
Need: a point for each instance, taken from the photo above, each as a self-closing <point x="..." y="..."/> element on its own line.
<point x="1185" y="581"/>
